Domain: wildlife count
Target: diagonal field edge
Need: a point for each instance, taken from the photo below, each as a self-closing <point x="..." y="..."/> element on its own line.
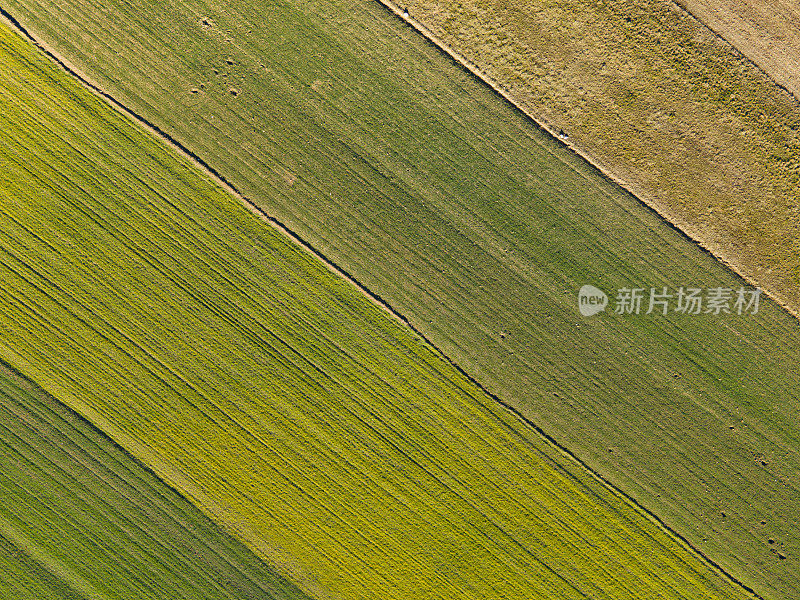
<point x="476" y="72"/>
<point x="32" y="387"/>
<point x="473" y="71"/>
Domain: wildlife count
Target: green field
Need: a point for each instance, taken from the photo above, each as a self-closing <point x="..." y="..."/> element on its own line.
<point x="440" y="198"/>
<point x="274" y="394"/>
<point x="80" y="518"/>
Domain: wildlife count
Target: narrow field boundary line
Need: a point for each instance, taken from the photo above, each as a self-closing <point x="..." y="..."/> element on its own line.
<point x="486" y="79"/>
<point x="167" y="501"/>
<point x="199" y="163"/>
<point x="592" y="161"/>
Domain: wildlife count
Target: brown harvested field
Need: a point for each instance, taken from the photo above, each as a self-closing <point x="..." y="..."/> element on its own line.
<point x="660" y="103"/>
<point x="766" y="32"/>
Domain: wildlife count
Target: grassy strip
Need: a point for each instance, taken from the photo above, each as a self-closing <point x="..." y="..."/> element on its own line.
<point x="24" y="579"/>
<point x="766" y="32"/>
<point x="96" y="519"/>
<point x="415" y="178"/>
<point x="278" y="397"/>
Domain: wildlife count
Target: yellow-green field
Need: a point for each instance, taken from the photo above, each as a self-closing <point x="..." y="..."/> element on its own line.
<point x="436" y="195"/>
<point x="274" y="394"/>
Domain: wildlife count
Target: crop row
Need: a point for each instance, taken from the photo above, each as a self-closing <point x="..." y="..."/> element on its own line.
<point x="76" y="506"/>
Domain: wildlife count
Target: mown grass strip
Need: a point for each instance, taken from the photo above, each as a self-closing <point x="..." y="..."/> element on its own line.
<point x="24" y="579"/>
<point x="419" y="181"/>
<point x="333" y="440"/>
<point x="79" y="511"/>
